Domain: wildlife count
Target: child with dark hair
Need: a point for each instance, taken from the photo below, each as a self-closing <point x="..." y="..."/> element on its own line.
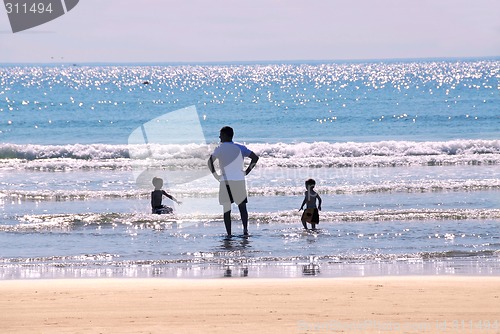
<point x="157" y="196"/>
<point x="310" y="214"/>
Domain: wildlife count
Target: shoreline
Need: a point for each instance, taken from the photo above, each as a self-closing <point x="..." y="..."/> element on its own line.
<point x="409" y="304"/>
<point x="311" y="268"/>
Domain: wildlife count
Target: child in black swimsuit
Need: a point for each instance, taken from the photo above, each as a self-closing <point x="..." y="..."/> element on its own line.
<point x="156" y="198"/>
<point x="310" y="214"/>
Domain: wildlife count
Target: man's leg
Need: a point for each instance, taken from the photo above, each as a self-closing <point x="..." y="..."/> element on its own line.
<point x="244" y="217"/>
<point x="304" y="223"/>
<point x="227" y="218"/>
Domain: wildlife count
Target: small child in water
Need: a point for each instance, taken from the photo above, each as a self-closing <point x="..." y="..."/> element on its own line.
<point x="310" y="214"/>
<point x="156" y="198"/>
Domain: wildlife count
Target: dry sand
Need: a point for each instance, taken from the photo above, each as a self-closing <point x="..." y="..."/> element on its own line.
<point x="425" y="304"/>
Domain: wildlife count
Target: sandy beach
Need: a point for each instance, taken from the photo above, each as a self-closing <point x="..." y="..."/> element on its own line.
<point x="431" y="304"/>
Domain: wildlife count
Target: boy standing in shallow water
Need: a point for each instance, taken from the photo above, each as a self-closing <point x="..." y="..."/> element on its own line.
<point x="310" y="214"/>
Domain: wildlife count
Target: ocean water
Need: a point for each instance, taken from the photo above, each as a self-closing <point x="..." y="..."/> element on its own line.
<point x="406" y="156"/>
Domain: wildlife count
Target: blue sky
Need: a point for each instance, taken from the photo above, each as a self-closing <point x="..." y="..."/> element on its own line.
<point x="258" y="30"/>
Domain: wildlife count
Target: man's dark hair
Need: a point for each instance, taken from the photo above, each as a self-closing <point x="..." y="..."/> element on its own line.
<point x="228" y="131"/>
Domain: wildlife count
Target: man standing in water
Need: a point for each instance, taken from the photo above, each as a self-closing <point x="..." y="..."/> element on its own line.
<point x="232" y="188"/>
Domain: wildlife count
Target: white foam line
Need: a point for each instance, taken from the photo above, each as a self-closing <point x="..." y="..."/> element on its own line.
<point x="65" y="221"/>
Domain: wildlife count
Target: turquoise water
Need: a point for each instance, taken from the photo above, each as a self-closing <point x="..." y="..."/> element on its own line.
<point x="405" y="155"/>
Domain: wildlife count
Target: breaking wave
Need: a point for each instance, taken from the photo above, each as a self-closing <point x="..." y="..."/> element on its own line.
<point x="317" y="154"/>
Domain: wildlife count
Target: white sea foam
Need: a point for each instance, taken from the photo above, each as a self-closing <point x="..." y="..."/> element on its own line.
<point x="417" y="186"/>
<point x="297" y="155"/>
<point x="142" y="220"/>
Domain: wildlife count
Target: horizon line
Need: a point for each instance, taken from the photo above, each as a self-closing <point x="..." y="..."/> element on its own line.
<point x="244" y="62"/>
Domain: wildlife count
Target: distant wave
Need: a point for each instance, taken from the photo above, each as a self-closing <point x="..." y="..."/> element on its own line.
<point x="77" y="151"/>
<point x="384" y="153"/>
<point x="297" y="155"/>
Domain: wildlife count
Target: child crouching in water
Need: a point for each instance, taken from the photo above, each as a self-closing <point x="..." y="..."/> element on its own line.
<point x="156" y="198"/>
<point x="310" y="214"/>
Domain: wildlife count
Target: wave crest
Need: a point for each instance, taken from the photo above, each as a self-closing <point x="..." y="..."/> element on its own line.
<point x="296" y="155"/>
